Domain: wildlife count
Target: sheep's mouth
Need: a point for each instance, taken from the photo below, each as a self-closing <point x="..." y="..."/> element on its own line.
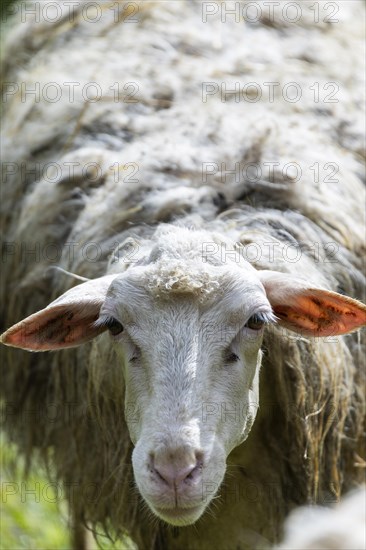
<point x="180" y="516"/>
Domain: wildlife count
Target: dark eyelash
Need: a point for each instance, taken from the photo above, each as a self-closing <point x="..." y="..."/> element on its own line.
<point x="258" y="320"/>
<point x="266" y="318"/>
<point x="111" y="323"/>
<point x="103" y="321"/>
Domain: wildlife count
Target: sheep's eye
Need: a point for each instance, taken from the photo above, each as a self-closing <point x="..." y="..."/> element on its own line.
<point x="114" y="326"/>
<point x="256" y="322"/>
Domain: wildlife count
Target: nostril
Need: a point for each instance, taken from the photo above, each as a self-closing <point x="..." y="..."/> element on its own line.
<point x="150" y="463"/>
<point x="196" y="470"/>
<point x="197" y="467"/>
<point x="192" y="473"/>
<point x="163" y="477"/>
<point x="199" y="458"/>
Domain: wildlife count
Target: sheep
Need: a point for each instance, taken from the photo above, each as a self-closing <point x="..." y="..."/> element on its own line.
<point x="340" y="528"/>
<point x="203" y="378"/>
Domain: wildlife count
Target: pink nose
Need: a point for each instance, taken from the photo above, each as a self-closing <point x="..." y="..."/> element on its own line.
<point x="176" y="470"/>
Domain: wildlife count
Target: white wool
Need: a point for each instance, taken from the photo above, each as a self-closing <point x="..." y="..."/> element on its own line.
<point x="342" y="527"/>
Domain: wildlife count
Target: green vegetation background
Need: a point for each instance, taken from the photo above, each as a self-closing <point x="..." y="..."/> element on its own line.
<point x="33" y="515"/>
<point x="28" y="520"/>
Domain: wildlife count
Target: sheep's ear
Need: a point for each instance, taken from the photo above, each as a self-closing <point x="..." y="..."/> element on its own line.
<point x="311" y="311"/>
<point x="65" y="323"/>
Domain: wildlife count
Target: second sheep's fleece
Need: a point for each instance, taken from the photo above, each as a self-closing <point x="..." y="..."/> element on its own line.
<point x="196" y="216"/>
<point x="339" y="528"/>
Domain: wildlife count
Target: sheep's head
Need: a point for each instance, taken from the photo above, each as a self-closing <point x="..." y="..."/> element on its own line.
<point x="188" y="335"/>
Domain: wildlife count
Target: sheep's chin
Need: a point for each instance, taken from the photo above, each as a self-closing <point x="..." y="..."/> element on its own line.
<point x="179" y="517"/>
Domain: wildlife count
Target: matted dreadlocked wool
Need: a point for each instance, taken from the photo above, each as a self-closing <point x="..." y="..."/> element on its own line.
<point x="155" y="148"/>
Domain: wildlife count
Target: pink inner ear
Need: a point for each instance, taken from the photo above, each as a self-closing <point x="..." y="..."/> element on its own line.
<point x="54" y="328"/>
<point x="319" y="312"/>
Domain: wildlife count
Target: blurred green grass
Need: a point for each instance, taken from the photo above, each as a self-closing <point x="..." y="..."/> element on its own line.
<point x="30" y="517"/>
<point x="33" y="515"/>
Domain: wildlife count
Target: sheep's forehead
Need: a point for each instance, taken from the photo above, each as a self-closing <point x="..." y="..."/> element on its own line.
<point x="203" y="283"/>
<point x="176" y="265"/>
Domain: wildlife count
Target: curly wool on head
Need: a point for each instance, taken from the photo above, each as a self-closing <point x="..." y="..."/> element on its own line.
<point x="177" y="280"/>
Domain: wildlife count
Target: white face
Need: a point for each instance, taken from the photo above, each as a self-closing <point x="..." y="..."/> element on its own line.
<point x="191" y="368"/>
